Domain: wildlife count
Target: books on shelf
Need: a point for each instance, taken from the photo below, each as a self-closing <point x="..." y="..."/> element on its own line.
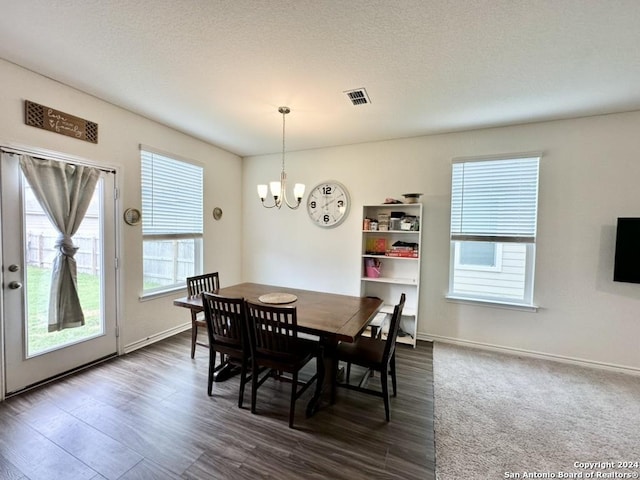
<point x="402" y="253"/>
<point x="403" y="249"/>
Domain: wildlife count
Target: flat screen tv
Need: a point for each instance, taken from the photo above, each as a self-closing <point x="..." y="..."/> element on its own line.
<point x="626" y="267"/>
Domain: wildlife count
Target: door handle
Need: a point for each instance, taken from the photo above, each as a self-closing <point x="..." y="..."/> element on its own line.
<point x="15" y="285"/>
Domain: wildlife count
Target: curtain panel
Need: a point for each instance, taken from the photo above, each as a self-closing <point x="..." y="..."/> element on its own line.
<point x="64" y="191"/>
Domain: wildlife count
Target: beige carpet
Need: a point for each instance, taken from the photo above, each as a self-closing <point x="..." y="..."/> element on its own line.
<point x="505" y="416"/>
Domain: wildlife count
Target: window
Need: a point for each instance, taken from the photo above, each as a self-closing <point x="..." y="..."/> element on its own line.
<point x="494" y="206"/>
<point x="478" y="256"/>
<point x="172" y="219"/>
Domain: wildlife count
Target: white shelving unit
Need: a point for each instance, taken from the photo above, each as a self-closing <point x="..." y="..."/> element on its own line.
<point x="396" y="275"/>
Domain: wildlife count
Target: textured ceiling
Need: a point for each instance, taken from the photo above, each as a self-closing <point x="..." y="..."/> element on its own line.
<point x="219" y="69"/>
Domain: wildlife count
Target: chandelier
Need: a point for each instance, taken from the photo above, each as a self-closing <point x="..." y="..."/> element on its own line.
<point x="279" y="189"/>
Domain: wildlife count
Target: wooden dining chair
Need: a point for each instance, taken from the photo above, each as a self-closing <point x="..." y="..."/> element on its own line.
<point x="374" y="354"/>
<point x="226" y="322"/>
<point x="209" y="282"/>
<point x="275" y="344"/>
<point x="377" y="323"/>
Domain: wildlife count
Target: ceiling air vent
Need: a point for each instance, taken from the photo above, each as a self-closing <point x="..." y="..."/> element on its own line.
<point x="358" y="96"/>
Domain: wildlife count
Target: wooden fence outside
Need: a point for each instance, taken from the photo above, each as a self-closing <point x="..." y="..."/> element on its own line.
<point x="166" y="262"/>
<point x="41" y="251"/>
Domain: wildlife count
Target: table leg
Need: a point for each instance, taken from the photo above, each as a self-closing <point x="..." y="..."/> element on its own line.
<point x="328" y="347"/>
<point x="225" y="370"/>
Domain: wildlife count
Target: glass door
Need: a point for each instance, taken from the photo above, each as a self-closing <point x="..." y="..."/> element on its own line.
<point x="33" y="353"/>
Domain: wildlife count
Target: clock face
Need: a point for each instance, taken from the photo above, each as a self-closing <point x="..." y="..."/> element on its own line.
<point x="328" y="204"/>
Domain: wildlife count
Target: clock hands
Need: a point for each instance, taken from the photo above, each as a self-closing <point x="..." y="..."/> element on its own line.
<point x="329" y="202"/>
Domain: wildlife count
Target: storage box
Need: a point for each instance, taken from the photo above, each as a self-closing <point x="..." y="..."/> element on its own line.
<point x="383" y="221"/>
<point x="376" y="245"/>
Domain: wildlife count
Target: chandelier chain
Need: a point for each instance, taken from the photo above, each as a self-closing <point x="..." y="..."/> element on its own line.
<point x="284" y="114"/>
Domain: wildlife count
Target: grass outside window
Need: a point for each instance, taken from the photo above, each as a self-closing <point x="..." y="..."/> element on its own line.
<point x="38" y="288"/>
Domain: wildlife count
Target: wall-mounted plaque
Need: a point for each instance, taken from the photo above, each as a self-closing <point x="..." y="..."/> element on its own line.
<point x="132" y="216"/>
<point x="47" y="118"/>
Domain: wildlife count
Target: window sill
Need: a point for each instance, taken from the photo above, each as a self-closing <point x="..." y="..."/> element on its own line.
<point x="161" y="293"/>
<point x="492" y="303"/>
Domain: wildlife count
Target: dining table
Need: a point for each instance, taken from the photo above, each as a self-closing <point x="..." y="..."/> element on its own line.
<point x="331" y="317"/>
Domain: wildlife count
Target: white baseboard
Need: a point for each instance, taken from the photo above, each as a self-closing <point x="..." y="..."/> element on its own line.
<point x="530" y="353"/>
<point x="156" y="338"/>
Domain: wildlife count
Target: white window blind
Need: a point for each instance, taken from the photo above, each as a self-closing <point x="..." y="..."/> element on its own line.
<point x="172" y="195"/>
<point x="495" y="200"/>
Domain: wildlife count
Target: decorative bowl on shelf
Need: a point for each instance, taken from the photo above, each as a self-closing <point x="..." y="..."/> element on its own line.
<point x="411" y="197"/>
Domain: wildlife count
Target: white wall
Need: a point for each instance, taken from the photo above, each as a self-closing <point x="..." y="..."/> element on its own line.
<point x="120" y="133"/>
<point x="589" y="176"/>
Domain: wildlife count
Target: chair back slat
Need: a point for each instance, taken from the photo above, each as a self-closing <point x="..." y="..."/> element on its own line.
<point x="274" y="329"/>
<point x="225" y="319"/>
<point x="394" y="327"/>
<point x="208" y="282"/>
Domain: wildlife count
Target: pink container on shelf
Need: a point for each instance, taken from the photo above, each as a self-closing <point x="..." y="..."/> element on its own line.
<point x="372" y="267"/>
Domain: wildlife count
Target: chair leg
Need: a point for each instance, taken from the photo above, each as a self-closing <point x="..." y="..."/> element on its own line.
<point x="254" y="386"/>
<point x="194" y="334"/>
<point x="320" y="369"/>
<point x="392" y="366"/>
<point x="243" y="381"/>
<point x="294" y="390"/>
<point x="212" y="368"/>
<point x="385" y="392"/>
<point x="348" y="372"/>
<point x="335" y="364"/>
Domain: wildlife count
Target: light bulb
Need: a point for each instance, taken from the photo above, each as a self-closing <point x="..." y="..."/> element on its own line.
<point x="275" y="189"/>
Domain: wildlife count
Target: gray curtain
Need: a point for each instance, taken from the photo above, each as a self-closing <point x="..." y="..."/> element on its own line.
<point x="64" y="191"/>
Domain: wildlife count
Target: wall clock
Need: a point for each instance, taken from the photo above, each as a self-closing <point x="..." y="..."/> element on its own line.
<point x="328" y="204"/>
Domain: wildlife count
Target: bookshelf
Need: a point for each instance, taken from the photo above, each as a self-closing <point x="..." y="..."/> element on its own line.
<point x="390" y="264"/>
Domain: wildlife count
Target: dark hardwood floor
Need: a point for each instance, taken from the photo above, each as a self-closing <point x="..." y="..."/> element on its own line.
<point x="146" y="415"/>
